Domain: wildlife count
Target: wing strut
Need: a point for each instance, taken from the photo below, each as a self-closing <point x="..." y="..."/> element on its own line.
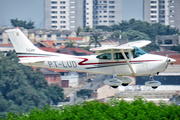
<point x="127" y="61"/>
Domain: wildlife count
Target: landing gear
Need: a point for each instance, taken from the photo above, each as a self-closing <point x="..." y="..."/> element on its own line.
<point x="154" y="87"/>
<point x="153" y="83"/>
<point x="125" y="84"/>
<point x="114" y="86"/>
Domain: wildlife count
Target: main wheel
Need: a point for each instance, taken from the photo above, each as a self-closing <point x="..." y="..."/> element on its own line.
<point x="124" y="84"/>
<point x="114" y="86"/>
<point x="154" y="87"/>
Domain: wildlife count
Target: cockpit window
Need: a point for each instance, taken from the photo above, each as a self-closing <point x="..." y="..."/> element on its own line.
<point x="118" y="56"/>
<point x="137" y="52"/>
<point x="106" y="56"/>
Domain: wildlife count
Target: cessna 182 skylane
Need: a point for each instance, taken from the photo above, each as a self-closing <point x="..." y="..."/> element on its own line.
<point x="120" y="61"/>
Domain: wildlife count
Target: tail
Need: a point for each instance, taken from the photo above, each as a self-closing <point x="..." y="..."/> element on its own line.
<point x="20" y="42"/>
<point x="22" y="45"/>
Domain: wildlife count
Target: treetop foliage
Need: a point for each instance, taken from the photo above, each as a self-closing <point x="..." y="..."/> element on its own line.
<point x="21" y="23"/>
<point x="22" y="88"/>
<point x="138" y="109"/>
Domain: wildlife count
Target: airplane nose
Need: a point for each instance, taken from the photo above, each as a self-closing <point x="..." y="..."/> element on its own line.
<point x="170" y="60"/>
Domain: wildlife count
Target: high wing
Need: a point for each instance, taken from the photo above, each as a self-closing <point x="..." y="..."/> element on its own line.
<point x="127" y="46"/>
<point x="139" y="44"/>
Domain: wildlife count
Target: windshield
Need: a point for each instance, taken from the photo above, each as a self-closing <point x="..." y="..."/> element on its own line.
<point x="137" y="52"/>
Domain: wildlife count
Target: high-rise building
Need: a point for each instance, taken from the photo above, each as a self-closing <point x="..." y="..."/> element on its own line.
<point x="70" y="14"/>
<point x="165" y="12"/>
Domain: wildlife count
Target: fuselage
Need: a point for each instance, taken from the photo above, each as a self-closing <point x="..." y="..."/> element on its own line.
<point x="146" y="64"/>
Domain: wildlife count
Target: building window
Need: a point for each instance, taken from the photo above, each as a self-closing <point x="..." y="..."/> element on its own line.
<point x="62" y="26"/>
<point x="105" y="11"/>
<point x="105" y="1"/>
<point x="1" y="40"/>
<point x="161" y="1"/>
<point x="161" y="6"/>
<point x="112" y="16"/>
<point x="171" y="16"/>
<point x="168" y="42"/>
<point x="54" y="77"/>
<point x="72" y="16"/>
<point x="111" y="2"/>
<point x="72" y="11"/>
<point x="54" y="17"/>
<point x="171" y="10"/>
<point x="87" y="18"/>
<point x="53" y="7"/>
<point x="87" y="3"/>
<point x="62" y="7"/>
<point x="72" y="26"/>
<point x="105" y="7"/>
<point x="87" y="13"/>
<point x="62" y="12"/>
<point x="162" y="16"/>
<point x="87" y="23"/>
<point x="72" y="6"/>
<point x="99" y="1"/>
<point x="162" y="12"/>
<point x="162" y="21"/>
<point x="153" y="16"/>
<point x="72" y="21"/>
<point x="63" y="17"/>
<point x="99" y="11"/>
<point x="153" y="11"/>
<point x="111" y="21"/>
<point x="63" y="22"/>
<point x="53" y="2"/>
<point x="111" y="11"/>
<point x="153" y="6"/>
<point x="111" y="7"/>
<point x="100" y="16"/>
<point x="62" y="2"/>
<point x="105" y="21"/>
<point x="48" y="35"/>
<point x="58" y="35"/>
<point x="54" y="12"/>
<point x="105" y="16"/>
<point x="54" y="21"/>
<point x="153" y="1"/>
<point x="171" y="21"/>
<point x="54" y="26"/>
<point x="171" y="1"/>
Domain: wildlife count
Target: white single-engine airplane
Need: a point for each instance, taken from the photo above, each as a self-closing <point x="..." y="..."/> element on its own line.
<point x="120" y="61"/>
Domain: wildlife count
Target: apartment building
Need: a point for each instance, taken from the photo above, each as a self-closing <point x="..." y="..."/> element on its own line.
<point x="70" y="14"/>
<point x="165" y="12"/>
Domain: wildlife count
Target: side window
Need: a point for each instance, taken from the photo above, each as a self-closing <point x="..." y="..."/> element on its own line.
<point x="118" y="56"/>
<point x="106" y="56"/>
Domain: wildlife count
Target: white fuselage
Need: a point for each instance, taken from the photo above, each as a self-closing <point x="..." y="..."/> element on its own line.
<point x="144" y="65"/>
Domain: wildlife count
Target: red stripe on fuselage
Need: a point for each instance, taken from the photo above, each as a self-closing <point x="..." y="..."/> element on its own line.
<point x="85" y="59"/>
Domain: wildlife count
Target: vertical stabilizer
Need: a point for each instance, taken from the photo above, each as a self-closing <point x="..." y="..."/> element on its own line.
<point x="20" y="42"/>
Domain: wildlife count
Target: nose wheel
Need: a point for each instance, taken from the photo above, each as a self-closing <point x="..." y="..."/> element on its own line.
<point x="153" y="83"/>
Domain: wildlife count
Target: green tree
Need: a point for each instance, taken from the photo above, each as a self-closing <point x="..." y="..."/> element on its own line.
<point x="79" y="29"/>
<point x="116" y="34"/>
<point x="87" y="29"/>
<point x="84" y="92"/>
<point x="95" y="38"/>
<point x="22" y="88"/>
<point x="56" y="93"/>
<point x="21" y="23"/>
<point x="135" y="35"/>
<point x="70" y="44"/>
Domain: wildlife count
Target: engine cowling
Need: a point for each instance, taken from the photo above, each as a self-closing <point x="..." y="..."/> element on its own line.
<point x="113" y="82"/>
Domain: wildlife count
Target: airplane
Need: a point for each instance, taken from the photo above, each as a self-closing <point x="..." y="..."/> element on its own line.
<point x="119" y="61"/>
